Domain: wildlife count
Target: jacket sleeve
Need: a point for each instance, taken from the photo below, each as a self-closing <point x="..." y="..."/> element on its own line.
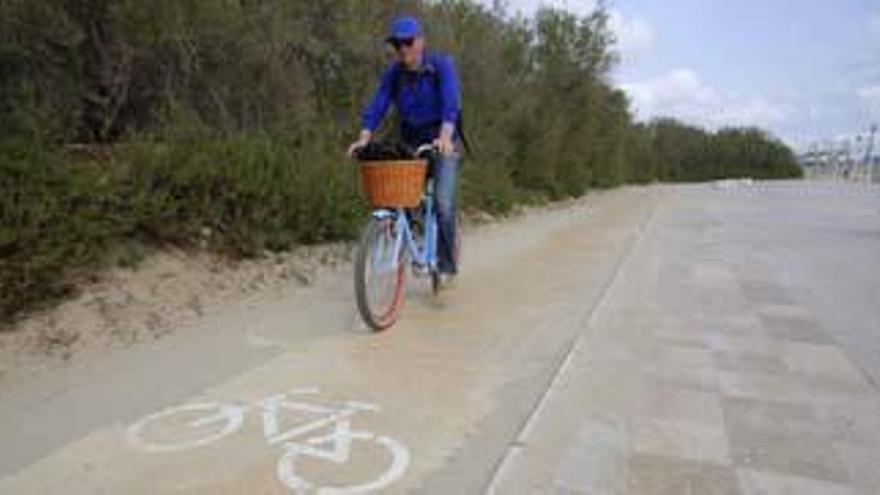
<point x="450" y="91"/>
<point x="374" y="112"/>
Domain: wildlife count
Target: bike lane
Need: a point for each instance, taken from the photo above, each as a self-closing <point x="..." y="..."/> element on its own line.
<point x="436" y="400"/>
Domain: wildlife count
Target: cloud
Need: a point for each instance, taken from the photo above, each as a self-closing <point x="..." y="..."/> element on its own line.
<point x="683" y="95"/>
<point x="635" y="35"/>
<point x="870" y="97"/>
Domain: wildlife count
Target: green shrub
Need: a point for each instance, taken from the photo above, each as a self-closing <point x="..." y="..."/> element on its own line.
<point x="243" y="196"/>
<point x="250" y="194"/>
<point x="225" y="123"/>
<point x="56" y="218"/>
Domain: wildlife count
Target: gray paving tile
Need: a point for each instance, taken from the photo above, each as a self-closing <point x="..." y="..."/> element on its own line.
<point x="753" y="482"/>
<point x="704" y="379"/>
<point x="751" y="384"/>
<point x="714" y="304"/>
<point x="862" y="461"/>
<point x="684" y="367"/>
<point x="675" y="403"/>
<point x="763" y="292"/>
<point x="752" y="341"/>
<point x="793" y="387"/>
<point x="786" y="438"/>
<point x="682" y="439"/>
<point x="746" y="361"/>
<point x="680" y="422"/>
<point x="735" y="331"/>
<point x="825" y="363"/>
<point x="713" y="275"/>
<point x="597" y="459"/>
<point x="794" y="328"/>
<point x="656" y="475"/>
<point x="785" y="310"/>
<point x="855" y="421"/>
<point x="692" y="340"/>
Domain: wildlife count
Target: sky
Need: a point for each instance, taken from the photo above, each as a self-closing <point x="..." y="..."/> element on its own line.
<point x="807" y="70"/>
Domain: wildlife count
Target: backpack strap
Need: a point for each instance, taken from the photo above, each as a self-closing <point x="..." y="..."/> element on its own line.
<point x="460" y="126"/>
<point x="397" y="85"/>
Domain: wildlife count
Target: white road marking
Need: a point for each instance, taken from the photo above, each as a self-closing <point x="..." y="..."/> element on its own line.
<point x="333" y="447"/>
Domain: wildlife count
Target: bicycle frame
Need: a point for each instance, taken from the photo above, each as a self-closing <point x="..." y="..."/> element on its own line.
<point x="424" y="255"/>
<point x="331" y="415"/>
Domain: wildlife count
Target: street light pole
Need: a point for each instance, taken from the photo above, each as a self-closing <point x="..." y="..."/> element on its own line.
<point x="870" y="163"/>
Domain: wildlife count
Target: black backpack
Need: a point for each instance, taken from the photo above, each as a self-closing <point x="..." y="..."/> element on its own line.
<point x="397" y="84"/>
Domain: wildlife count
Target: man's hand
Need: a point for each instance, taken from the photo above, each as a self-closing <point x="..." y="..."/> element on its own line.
<point x="444" y="143"/>
<point x="362" y="141"/>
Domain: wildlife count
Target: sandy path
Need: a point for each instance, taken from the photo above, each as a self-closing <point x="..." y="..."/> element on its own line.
<point x="453" y="381"/>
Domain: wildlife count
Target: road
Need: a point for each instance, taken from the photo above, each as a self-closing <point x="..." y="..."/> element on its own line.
<point x="669" y="339"/>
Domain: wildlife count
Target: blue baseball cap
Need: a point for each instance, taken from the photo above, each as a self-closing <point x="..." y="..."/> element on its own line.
<point x="404" y="28"/>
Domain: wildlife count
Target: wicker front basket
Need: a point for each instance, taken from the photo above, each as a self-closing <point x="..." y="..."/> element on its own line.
<point x="393" y="184"/>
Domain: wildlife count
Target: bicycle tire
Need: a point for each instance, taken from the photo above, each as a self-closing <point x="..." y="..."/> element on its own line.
<point x="378" y="319"/>
<point x="232" y="418"/>
<point x="398" y="453"/>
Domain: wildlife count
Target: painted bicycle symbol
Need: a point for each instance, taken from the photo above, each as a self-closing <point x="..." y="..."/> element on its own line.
<point x="198" y="424"/>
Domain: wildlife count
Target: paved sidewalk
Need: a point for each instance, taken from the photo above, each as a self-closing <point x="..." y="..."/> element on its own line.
<point x="701" y="372"/>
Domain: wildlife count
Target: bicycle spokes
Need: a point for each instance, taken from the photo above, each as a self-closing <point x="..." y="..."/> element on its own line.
<point x="384" y="266"/>
<point x="380" y="272"/>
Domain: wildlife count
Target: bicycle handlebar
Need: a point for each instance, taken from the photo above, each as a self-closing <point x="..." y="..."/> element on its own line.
<point x="426" y="149"/>
<point x="422" y="151"/>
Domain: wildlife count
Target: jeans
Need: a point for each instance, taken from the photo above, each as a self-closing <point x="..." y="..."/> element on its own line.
<point x="444" y="170"/>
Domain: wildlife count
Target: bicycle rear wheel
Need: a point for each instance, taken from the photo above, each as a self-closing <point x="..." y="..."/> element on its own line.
<point x="379" y="275"/>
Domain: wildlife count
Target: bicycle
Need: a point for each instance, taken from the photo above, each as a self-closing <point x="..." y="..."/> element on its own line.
<point x="395" y="236"/>
<point x="203" y="423"/>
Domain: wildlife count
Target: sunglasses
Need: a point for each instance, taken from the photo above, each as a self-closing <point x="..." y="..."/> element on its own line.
<point x="397" y="43"/>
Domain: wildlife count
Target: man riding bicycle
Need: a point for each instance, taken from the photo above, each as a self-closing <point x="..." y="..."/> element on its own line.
<point x="424" y="87"/>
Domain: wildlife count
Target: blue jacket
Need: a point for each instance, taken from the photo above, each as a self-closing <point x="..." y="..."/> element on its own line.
<point x="424" y="99"/>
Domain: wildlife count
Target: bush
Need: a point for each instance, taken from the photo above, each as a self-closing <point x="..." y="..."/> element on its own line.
<point x="243" y="196"/>
<point x="252" y="194"/>
<point x="226" y="122"/>
<point x="57" y="218"/>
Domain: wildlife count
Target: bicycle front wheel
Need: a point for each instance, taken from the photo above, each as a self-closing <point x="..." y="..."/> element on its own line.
<point x="379" y="274"/>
